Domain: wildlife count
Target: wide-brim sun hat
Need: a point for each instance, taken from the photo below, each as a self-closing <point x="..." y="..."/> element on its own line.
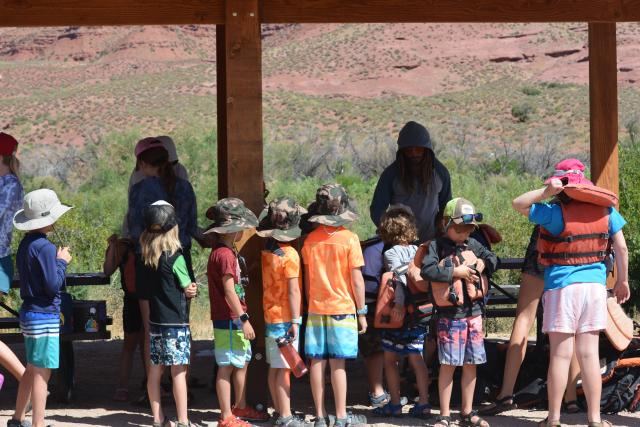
<point x="40" y="209"/>
<point x="332" y="206"/>
<point x="572" y="170"/>
<point x="230" y="215"/>
<point x="281" y="220"/>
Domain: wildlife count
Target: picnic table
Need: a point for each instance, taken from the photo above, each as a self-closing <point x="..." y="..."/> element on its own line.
<point x="65" y="376"/>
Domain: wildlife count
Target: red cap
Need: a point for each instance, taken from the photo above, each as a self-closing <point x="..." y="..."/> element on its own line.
<point x="572" y="169"/>
<point x="147" y="144"/>
<point x="8" y="144"/>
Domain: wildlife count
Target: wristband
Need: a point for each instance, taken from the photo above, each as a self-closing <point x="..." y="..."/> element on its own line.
<point x="297" y="321"/>
<point x="363" y="311"/>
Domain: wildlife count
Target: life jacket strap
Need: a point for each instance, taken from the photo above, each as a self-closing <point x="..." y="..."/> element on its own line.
<point x="568" y="255"/>
<point x="569" y="239"/>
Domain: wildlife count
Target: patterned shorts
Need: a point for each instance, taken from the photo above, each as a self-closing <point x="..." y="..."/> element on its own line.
<point x="461" y="341"/>
<point x="404" y="341"/>
<point x="231" y="347"/>
<point x="170" y="345"/>
<point x="41" y="333"/>
<point x="331" y="336"/>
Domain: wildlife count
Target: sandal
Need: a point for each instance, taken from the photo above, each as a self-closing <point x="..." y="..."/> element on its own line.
<point x="165" y="423"/>
<point x="570" y="407"/>
<point x="442" y="421"/>
<point x="121" y="395"/>
<point x="466" y="420"/>
<point x="547" y="423"/>
<point x="498" y="406"/>
<point x="421" y="411"/>
<point x="389" y="410"/>
<point x="379" y="401"/>
<point x="602" y="423"/>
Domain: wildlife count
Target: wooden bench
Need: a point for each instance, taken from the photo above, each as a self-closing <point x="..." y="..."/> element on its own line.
<point x="65" y="375"/>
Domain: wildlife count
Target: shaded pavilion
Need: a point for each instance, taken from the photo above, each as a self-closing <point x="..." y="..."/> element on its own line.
<point x="239" y="69"/>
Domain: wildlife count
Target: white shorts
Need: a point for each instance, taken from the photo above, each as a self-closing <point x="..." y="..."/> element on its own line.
<point x="575" y="309"/>
<point x="274" y="356"/>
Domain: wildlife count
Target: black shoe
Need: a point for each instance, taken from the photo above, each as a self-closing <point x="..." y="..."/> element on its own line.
<point x="15" y="423"/>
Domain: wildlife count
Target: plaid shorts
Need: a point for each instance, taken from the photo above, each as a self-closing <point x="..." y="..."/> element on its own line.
<point x="170" y="345"/>
<point x="461" y="341"/>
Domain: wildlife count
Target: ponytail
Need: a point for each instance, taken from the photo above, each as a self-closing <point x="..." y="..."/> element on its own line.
<point x="168" y="178"/>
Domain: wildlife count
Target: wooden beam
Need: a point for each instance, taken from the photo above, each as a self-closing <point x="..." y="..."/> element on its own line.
<point x="321" y="11"/>
<point x="49" y="13"/>
<point x="603" y="103"/>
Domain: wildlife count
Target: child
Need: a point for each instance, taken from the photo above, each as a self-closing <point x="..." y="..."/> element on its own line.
<point x="169" y="333"/>
<point x="460" y="334"/>
<point x="231" y="327"/>
<point x="398" y="230"/>
<point x="42" y="270"/>
<point x="574" y="299"/>
<point x="335" y="292"/>
<point x="279" y="222"/>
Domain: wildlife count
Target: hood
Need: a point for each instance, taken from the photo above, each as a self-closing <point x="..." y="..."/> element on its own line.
<point x="414" y="134"/>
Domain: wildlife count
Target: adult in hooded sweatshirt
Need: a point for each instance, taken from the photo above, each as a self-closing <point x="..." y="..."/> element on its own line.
<point x="416" y="179"/>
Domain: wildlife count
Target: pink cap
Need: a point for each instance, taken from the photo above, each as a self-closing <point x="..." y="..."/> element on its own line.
<point x="572" y="169"/>
<point x="147" y="144"/>
<point x="8" y="144"/>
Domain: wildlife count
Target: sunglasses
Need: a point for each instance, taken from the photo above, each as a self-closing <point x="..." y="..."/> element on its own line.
<point x="467" y="218"/>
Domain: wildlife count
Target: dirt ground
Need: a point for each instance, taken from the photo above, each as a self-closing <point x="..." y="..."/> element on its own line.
<point x="97" y="370"/>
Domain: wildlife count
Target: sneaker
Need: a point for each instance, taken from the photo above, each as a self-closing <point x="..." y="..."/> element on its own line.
<point x="351" y="420"/>
<point x="321" y="422"/>
<point x="275" y="415"/>
<point x="290" y="421"/>
<point x="15" y="423"/>
<point x="233" y="421"/>
<point x="250" y="414"/>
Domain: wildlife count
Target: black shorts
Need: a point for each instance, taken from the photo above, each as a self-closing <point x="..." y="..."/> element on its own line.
<point x="531" y="265"/>
<point x="131" y="315"/>
<point x="370" y="342"/>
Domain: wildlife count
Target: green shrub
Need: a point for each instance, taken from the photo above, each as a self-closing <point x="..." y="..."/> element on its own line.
<point x="522" y="112"/>
<point x="531" y="91"/>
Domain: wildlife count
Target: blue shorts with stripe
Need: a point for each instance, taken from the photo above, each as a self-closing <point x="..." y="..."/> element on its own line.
<point x="41" y="333"/>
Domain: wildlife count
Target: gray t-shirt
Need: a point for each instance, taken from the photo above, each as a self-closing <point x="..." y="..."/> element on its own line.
<point x="423" y="204"/>
<point x="398" y="256"/>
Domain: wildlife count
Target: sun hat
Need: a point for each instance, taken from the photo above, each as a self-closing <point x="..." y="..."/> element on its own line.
<point x="170" y="146"/>
<point x="619" y="329"/>
<point x="332" y="206"/>
<point x="8" y="144"/>
<point x="41" y="208"/>
<point x="461" y="211"/>
<point x="281" y="220"/>
<point x="572" y="170"/>
<point x="146" y="144"/>
<point x="160" y="217"/>
<point x="230" y="215"/>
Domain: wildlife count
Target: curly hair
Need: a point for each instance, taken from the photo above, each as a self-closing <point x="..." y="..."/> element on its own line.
<point x="398" y="227"/>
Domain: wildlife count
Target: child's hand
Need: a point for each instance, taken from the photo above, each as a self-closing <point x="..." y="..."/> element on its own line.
<point x="621" y="291"/>
<point x="554" y="187"/>
<point x="465" y="273"/>
<point x="397" y="313"/>
<point x="362" y="320"/>
<point x="480" y="266"/>
<point x="191" y="291"/>
<point x="247" y="329"/>
<point x="293" y="331"/>
<point x="64" y="254"/>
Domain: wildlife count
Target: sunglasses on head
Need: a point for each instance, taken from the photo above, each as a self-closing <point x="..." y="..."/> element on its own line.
<point x="467" y="218"/>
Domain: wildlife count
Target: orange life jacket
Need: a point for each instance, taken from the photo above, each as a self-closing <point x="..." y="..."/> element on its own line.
<point x="591" y="194"/>
<point x="442" y="292"/>
<point x="584" y="240"/>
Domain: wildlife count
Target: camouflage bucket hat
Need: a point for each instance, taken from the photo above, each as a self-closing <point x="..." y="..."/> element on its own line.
<point x="281" y="220"/>
<point x="332" y="206"/>
<point x="230" y="215"/>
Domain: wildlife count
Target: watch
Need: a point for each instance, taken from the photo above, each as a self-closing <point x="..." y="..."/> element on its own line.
<point x="363" y="311"/>
<point x="244" y="317"/>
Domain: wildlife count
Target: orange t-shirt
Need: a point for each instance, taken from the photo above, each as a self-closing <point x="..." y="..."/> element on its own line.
<point x="279" y="264"/>
<point x="330" y="253"/>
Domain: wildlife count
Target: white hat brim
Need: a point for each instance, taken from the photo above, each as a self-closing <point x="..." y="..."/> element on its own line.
<point x="23" y="223"/>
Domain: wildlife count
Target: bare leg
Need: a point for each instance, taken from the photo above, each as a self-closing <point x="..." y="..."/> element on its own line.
<point x="144" y="310"/>
<point x="239" y="386"/>
<point x="129" y="346"/>
<point x="317" y="385"/>
<point x="445" y="387"/>
<point x="392" y="375"/>
<point x="10" y="362"/>
<point x="467" y="386"/>
<point x="154" y="374"/>
<point x="375" y="367"/>
<point x="283" y="391"/>
<point x="422" y="377"/>
<point x="179" y="377"/>
<point x="39" y="395"/>
<point x="272" y="382"/>
<point x="570" y="394"/>
<point x="24" y="393"/>
<point x="223" y="390"/>
<point x="560" y="359"/>
<point x="339" y="384"/>
<point x="528" y="300"/>
<point x="587" y="354"/>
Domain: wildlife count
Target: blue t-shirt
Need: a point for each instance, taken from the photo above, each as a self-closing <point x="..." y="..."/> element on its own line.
<point x="549" y="215"/>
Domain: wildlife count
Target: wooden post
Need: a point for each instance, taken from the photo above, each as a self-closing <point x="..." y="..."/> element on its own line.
<point x="240" y="168"/>
<point x="603" y="103"/>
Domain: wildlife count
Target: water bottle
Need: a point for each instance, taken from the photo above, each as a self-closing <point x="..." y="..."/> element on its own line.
<point x="292" y="357"/>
